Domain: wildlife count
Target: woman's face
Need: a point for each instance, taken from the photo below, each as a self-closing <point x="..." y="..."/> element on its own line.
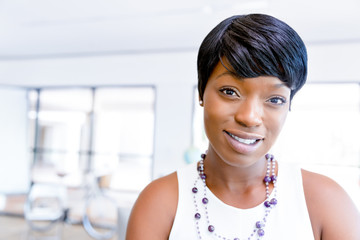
<point x="243" y="117"/>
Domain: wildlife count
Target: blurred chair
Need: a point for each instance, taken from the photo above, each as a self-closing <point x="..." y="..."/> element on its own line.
<point x="101" y="214"/>
<point x="44" y="211"/>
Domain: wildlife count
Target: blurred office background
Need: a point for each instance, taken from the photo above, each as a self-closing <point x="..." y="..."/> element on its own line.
<point x="102" y="95"/>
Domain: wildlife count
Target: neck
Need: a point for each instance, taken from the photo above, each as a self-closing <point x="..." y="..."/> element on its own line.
<point x="240" y="173"/>
<point x="230" y="182"/>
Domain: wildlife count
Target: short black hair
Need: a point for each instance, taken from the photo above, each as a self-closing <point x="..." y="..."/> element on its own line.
<point x="254" y="45"/>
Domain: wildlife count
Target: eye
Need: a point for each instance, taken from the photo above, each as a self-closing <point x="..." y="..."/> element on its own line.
<point x="277" y="101"/>
<point x="228" y="92"/>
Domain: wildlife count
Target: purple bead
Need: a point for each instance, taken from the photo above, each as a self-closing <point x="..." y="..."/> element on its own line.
<point x="197" y="215"/>
<point x="273" y="201"/>
<point x="267" y="204"/>
<point x="267" y="179"/>
<point x="203" y="156"/>
<point x="273" y="178"/>
<point x="211" y="228"/>
<point x="259" y="224"/>
<point x="236" y="238"/>
<point x="205" y="200"/>
<point x="261" y="232"/>
<point x="269" y="156"/>
<point x="203" y="176"/>
<point x="201" y="168"/>
<point x="194" y="190"/>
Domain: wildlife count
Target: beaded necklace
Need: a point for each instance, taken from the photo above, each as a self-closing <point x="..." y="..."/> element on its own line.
<point x="269" y="204"/>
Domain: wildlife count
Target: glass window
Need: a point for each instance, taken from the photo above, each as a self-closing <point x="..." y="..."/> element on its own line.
<point x="109" y="131"/>
<point x="321" y="133"/>
<point x="199" y="140"/>
<point x="124" y="135"/>
<point x="33" y="97"/>
<point x="323" y="126"/>
<point x="63" y="123"/>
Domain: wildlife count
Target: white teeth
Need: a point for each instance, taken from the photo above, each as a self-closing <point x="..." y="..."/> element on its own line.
<point x="245" y="141"/>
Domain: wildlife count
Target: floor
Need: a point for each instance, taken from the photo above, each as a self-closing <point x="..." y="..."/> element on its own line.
<point x="14" y="227"/>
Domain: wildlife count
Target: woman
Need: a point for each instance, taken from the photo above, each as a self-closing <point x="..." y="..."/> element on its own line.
<point x="249" y="68"/>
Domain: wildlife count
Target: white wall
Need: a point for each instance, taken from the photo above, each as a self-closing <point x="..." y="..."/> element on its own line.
<point x="174" y="75"/>
<point x="334" y="62"/>
<point x="14" y="160"/>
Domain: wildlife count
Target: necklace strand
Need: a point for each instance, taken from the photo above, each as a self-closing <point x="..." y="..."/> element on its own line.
<point x="269" y="204"/>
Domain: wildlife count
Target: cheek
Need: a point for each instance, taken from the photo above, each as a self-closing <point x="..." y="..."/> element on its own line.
<point x="216" y="110"/>
<point x="276" y="122"/>
<point x="215" y="114"/>
<point x="210" y="124"/>
<point x="211" y="117"/>
<point x="211" y="109"/>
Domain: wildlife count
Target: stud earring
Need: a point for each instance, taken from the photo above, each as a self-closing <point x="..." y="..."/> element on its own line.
<point x="201" y="102"/>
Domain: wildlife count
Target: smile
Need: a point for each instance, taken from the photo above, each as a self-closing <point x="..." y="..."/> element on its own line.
<point x="242" y="140"/>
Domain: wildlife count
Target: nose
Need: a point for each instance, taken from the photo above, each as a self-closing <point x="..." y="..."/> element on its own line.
<point x="249" y="113"/>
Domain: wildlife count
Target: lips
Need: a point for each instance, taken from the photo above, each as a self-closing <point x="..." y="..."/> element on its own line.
<point x="243" y="142"/>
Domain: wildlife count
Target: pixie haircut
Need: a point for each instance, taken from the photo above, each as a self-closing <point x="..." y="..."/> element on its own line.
<point x="254" y="45"/>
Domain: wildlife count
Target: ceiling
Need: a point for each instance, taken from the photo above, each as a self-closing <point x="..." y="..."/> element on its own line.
<point x="43" y="28"/>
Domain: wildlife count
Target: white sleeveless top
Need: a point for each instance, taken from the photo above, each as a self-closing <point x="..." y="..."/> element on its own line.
<point x="289" y="219"/>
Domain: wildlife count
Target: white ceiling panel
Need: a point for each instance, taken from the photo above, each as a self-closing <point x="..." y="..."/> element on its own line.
<point x="41" y="28"/>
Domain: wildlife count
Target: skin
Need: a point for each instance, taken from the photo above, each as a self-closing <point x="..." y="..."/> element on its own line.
<point x="253" y="108"/>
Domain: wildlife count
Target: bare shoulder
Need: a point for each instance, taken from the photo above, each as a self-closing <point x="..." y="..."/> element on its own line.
<point x="333" y="214"/>
<point x="154" y="211"/>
